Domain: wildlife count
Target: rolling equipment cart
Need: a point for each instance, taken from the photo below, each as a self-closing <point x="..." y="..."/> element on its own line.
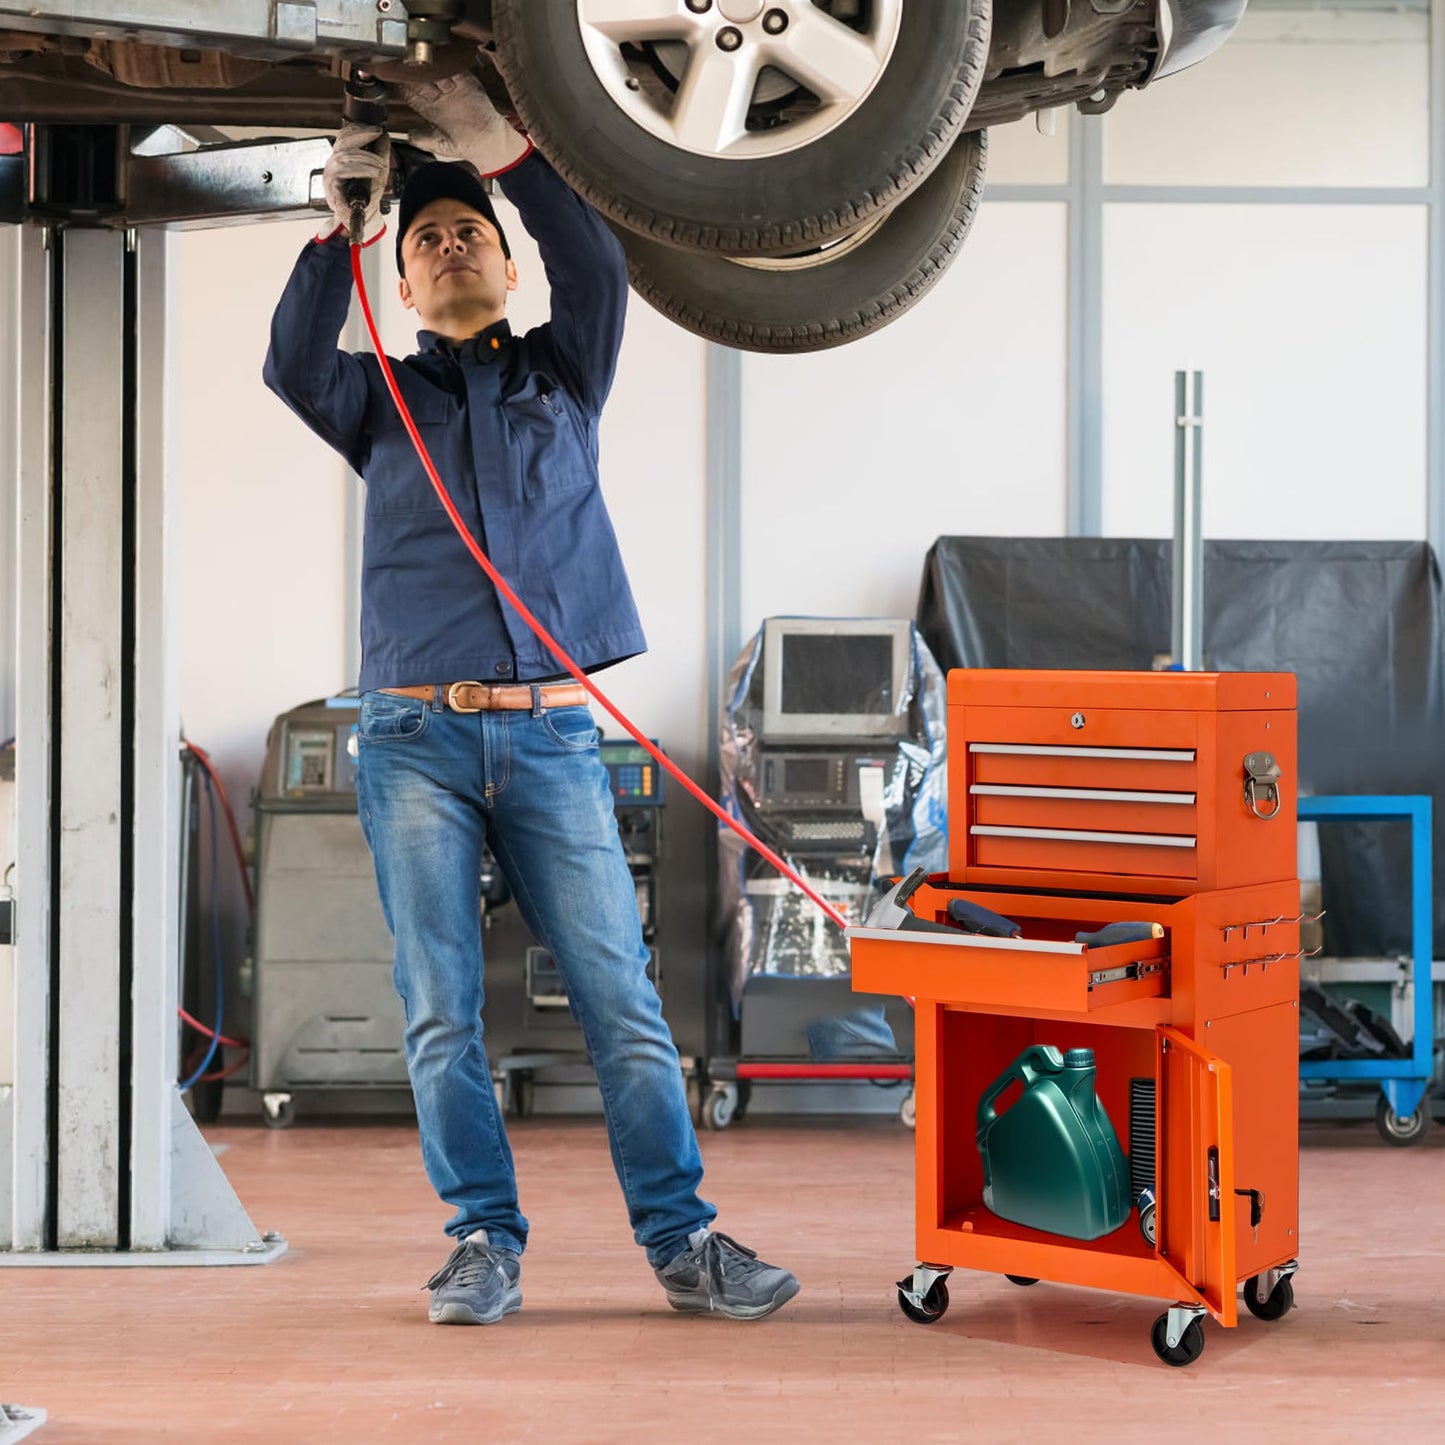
<point x="1402" y="1114"/>
<point x="1079" y="800"/>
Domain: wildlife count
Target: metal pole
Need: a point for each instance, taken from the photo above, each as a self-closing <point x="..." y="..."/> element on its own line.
<point x="1187" y="640"/>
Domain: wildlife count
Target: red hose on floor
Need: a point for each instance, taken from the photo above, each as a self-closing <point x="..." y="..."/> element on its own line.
<point x="484" y="562"/>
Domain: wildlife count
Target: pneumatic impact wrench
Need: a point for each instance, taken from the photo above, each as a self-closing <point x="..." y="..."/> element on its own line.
<point x="365" y="104"/>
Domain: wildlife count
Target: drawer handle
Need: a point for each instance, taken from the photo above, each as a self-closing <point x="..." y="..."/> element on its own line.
<point x="1032" y="750"/>
<point x="1092" y="795"/>
<point x="956" y="938"/>
<point x="1078" y="835"/>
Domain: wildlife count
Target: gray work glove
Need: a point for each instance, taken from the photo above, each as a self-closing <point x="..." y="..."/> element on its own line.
<point x="361" y="153"/>
<point x="462" y="123"/>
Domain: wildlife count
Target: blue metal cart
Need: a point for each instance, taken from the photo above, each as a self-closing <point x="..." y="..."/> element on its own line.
<point x="1403" y="1116"/>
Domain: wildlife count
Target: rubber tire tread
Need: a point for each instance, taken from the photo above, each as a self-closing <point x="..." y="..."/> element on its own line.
<point x="535" y="93"/>
<point x="708" y="294"/>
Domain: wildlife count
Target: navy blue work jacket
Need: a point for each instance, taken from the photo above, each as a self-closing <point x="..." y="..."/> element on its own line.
<point x="512" y="428"/>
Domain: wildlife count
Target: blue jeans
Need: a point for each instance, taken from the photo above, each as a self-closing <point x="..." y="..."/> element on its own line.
<point x="434" y="787"/>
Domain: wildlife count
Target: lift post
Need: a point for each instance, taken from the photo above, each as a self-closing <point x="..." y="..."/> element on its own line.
<point x="100" y="1162"/>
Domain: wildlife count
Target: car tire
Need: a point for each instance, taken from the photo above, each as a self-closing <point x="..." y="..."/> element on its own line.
<point x="824" y="177"/>
<point x="828" y="296"/>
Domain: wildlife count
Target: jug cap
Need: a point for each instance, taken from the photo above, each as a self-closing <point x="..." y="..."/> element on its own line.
<point x="1079" y="1059"/>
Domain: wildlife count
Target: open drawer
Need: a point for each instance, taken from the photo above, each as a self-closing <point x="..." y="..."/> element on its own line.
<point x="1014" y="973"/>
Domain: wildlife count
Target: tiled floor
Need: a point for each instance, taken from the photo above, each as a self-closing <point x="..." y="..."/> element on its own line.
<point x="331" y="1343"/>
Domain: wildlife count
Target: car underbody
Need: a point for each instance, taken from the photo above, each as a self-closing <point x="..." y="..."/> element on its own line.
<point x="785" y="175"/>
<point x="1042" y="55"/>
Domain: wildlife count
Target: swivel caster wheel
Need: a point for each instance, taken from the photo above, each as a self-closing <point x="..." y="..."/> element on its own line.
<point x="1402" y="1132"/>
<point x="1266" y="1302"/>
<point x="908" y="1111"/>
<point x="279" y="1110"/>
<point x="930" y="1308"/>
<point x="1186" y="1350"/>
<point x="721" y="1106"/>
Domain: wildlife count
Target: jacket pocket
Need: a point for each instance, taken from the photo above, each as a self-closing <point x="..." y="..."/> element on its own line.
<point x="546" y="438"/>
<point x="396" y="481"/>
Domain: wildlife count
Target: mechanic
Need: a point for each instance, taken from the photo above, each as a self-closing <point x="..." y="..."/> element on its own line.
<point x="467" y="737"/>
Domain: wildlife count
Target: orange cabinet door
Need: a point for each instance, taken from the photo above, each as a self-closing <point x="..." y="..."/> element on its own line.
<point x="1196" y="1209"/>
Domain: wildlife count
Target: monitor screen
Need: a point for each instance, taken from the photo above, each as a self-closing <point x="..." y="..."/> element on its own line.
<point x="850" y="674"/>
<point x="827" y="678"/>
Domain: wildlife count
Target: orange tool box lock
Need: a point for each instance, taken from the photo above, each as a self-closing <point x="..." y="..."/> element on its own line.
<point x="1123" y="880"/>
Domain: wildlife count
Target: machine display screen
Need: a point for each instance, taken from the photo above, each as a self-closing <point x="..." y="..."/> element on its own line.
<point x="810" y="777"/>
<point x="635" y="777"/>
<point x="848" y="674"/>
<point x="308" y="764"/>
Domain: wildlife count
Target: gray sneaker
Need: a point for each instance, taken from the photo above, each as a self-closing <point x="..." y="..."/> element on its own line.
<point x="477" y="1285"/>
<point x="716" y="1275"/>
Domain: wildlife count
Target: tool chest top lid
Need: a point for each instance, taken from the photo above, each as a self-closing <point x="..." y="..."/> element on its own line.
<point x="1196" y="691"/>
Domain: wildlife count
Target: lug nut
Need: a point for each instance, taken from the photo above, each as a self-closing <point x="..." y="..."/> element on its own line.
<point x="775" y="22"/>
<point x="729" y="38"/>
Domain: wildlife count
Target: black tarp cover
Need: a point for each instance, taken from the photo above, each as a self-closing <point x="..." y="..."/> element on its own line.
<point x="1358" y="623"/>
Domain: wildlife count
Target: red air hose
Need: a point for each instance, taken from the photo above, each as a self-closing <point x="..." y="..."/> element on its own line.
<point x="484" y="562"/>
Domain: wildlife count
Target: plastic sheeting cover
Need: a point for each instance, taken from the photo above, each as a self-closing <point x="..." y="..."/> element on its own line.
<point x="895" y="817"/>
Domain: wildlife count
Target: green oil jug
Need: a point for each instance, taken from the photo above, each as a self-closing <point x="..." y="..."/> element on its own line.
<point x="1052" y="1161"/>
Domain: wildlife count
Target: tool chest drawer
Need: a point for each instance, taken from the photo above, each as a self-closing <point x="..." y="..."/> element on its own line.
<point x="1161" y="783"/>
<point x="1052" y="975"/>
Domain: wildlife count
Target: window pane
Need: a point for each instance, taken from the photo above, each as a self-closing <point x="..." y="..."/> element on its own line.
<point x="952" y="419"/>
<point x="1309" y="325"/>
<point x="1296" y="97"/>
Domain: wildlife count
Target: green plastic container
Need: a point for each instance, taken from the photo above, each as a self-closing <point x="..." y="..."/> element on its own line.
<point x="1052" y="1161"/>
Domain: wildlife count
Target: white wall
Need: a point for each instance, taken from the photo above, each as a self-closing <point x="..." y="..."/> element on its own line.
<point x="1337" y="96"/>
<point x="949" y="421"/>
<point x="1309" y="325"/>
<point x="262" y="504"/>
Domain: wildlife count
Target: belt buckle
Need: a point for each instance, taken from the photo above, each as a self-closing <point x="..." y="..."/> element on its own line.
<point x="452" y="702"/>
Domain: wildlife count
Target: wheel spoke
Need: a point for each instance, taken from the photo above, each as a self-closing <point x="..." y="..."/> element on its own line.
<point x="623" y="20"/>
<point x="712" y="103"/>
<point x="834" y="62"/>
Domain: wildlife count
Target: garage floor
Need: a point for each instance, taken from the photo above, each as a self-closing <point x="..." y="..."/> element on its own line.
<point x="331" y="1342"/>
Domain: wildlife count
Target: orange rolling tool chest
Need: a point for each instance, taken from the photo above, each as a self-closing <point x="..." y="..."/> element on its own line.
<point x="1079" y="800"/>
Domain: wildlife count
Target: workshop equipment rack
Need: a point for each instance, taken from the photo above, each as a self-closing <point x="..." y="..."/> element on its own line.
<point x="1079" y="799"/>
<point x="1403" y="1115"/>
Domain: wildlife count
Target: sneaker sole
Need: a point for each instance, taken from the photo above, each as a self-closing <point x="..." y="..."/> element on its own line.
<point x="689" y="1304"/>
<point x="456" y="1313"/>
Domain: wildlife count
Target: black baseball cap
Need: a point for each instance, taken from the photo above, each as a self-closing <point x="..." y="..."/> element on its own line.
<point x="443" y="181"/>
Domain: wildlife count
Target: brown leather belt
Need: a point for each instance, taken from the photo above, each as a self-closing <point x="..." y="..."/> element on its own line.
<point x="491" y="697"/>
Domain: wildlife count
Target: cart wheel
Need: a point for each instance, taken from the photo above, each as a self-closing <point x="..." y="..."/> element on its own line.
<point x="745" y="1097"/>
<point x="1189" y="1348"/>
<point x="718" y="1111"/>
<point x="280" y="1113"/>
<point x="1401" y="1132"/>
<point x="935" y="1304"/>
<point x="1278" y="1303"/>
<point x="1022" y="1280"/>
<point x="908" y="1111"/>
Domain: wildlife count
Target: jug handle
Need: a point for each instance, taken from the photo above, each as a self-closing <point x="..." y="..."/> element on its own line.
<point x="1029" y="1066"/>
